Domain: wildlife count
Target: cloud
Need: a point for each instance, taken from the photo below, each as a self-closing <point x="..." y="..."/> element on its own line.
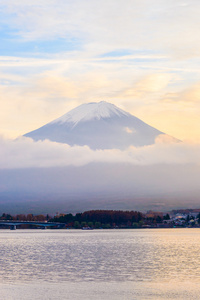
<point x="148" y="85"/>
<point x="25" y="153"/>
<point x="189" y="95"/>
<point x="162" y="25"/>
<point x="48" y="176"/>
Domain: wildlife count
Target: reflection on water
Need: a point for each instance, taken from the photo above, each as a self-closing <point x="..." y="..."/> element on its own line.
<point x="100" y="264"/>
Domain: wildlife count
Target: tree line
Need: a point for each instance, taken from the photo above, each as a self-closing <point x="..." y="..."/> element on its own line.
<point x="94" y="219"/>
<point x="102" y="219"/>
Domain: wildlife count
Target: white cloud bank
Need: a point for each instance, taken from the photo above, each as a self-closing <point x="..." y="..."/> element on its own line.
<point x="25" y="153"/>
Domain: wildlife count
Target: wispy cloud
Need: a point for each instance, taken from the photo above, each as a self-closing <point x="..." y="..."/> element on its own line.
<point x="152" y="83"/>
<point x="152" y="24"/>
<point x="189" y="95"/>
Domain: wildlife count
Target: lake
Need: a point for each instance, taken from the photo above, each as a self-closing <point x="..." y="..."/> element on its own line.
<point x="100" y="264"/>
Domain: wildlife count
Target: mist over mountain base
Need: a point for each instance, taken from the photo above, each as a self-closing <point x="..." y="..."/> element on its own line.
<point x="99" y="186"/>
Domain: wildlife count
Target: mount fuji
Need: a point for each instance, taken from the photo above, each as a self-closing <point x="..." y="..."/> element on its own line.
<point x="99" y="125"/>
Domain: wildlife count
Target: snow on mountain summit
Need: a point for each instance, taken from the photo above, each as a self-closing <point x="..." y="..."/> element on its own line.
<point x="91" y="111"/>
<point x="99" y="125"/>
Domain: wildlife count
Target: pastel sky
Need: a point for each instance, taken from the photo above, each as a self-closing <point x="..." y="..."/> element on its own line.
<point x="142" y="55"/>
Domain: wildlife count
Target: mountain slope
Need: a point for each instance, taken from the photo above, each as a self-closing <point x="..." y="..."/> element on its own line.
<point x="100" y="126"/>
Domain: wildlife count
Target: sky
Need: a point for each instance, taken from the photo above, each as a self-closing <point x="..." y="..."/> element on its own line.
<point x="141" y="55"/>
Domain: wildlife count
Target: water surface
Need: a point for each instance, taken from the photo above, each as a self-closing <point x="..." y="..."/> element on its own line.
<point x="100" y="264"/>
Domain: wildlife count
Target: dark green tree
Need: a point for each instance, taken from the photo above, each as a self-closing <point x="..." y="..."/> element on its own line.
<point x="166" y="217"/>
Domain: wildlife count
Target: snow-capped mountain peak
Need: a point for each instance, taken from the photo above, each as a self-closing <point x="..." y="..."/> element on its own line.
<point x="100" y="126"/>
<point x="90" y="111"/>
